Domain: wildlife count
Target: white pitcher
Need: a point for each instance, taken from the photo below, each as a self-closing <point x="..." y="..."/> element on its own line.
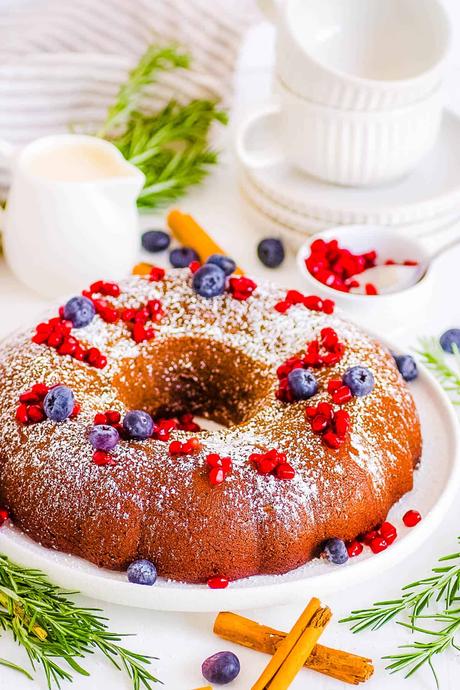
<point x="71" y="214"/>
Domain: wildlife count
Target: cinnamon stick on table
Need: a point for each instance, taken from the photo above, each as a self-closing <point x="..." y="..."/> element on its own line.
<point x="343" y="666"/>
<point x="295" y="648"/>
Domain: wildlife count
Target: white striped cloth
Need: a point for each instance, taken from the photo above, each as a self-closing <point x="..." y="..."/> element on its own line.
<point x="62" y="61"/>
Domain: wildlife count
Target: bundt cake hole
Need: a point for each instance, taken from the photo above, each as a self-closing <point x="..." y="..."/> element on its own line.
<point x="196" y="375"/>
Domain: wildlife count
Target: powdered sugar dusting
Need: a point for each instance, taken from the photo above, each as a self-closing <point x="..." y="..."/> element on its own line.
<point x="52" y="462"/>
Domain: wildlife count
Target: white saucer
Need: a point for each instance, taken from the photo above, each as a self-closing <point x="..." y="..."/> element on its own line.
<point x="433" y="189"/>
<point x="436" y="483"/>
<point x="298" y="226"/>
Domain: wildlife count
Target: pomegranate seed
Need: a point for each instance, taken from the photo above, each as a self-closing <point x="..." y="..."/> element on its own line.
<point x="329" y="338"/>
<point x="101" y="362"/>
<point x="388" y="532"/>
<point x="295" y="297"/>
<point x="36" y="413"/>
<point x="217" y="582"/>
<point x="411" y="518"/>
<point x="342" y="395"/>
<point x="378" y="544"/>
<point x="41" y="389"/>
<point x="371" y="289"/>
<point x="333" y="385"/>
<point x="101" y="457"/>
<point x="4" y="516"/>
<point x="354" y="548"/>
<point x="313" y="303"/>
<point x="100" y="418"/>
<point x="109" y="315"/>
<point x="55" y="339"/>
<point x="112" y="416"/>
<point x="29" y="397"/>
<point x="111" y="289"/>
<point x="156" y="273"/>
<point x="194" y="266"/>
<point x="40" y="338"/>
<point x="319" y="423"/>
<point x="328" y="306"/>
<point x="332" y="440"/>
<point x="266" y="465"/>
<point x="410" y="262"/>
<point x="44" y="328"/>
<point x="76" y="410"/>
<point x="128" y="314"/>
<point x="311" y="411"/>
<point x="282" y="307"/>
<point x="175" y="448"/>
<point x="213" y="460"/>
<point x="285" y="471"/>
<point x="369" y="536"/>
<point x="97" y="286"/>
<point x="79" y="353"/>
<point x="22" y="415"/>
<point x="341" y="422"/>
<point x="326" y="410"/>
<point x="216" y="476"/>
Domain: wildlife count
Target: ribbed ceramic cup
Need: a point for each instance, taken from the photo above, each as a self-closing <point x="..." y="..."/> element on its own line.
<point x="360" y="54"/>
<point x="338" y="146"/>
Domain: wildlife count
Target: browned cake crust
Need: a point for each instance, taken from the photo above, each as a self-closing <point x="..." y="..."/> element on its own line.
<point x="218" y="358"/>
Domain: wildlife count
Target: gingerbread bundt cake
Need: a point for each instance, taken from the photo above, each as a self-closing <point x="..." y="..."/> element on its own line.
<point x="319" y="436"/>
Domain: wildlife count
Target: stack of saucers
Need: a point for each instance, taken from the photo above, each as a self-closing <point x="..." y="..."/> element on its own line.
<point x="356" y="133"/>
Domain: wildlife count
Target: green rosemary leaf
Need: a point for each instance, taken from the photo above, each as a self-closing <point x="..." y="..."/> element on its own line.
<point x="171" y="147"/>
<point x="56" y="633"/>
<point x="15" y="667"/>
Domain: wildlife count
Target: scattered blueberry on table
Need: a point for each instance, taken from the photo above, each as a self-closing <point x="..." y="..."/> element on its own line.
<point x="80" y="311"/>
<point x="59" y="403"/>
<point x="221" y="668"/>
<point x="182" y="257"/>
<point x="407" y="366"/>
<point x="360" y="380"/>
<point x="449" y="339"/>
<point x="142" y="572"/>
<point x="155" y="241"/>
<point x="271" y="252"/>
<point x="224" y="262"/>
<point x="209" y="281"/>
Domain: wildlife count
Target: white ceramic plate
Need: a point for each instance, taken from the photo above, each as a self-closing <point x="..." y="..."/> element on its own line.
<point x="297" y="227"/>
<point x="431" y="190"/>
<point x="435" y="485"/>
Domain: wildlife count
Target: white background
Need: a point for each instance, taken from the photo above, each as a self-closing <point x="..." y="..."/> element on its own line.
<point x="182" y="641"/>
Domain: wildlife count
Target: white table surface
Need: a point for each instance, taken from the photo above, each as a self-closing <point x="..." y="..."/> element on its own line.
<point x="182" y="641"/>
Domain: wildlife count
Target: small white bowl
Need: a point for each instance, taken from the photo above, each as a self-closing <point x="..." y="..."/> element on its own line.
<point x="340" y="146"/>
<point x="361" y="54"/>
<point x="388" y="313"/>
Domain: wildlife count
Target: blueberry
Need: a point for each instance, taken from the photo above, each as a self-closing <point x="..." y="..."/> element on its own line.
<point x="209" y="281"/>
<point x="221" y="668"/>
<point x="142" y="572"/>
<point x="138" y="425"/>
<point x="450" y="338"/>
<point x="104" y="437"/>
<point x="359" y="380"/>
<point x="336" y="551"/>
<point x="183" y="257"/>
<point x="224" y="262"/>
<point x="79" y="310"/>
<point x="271" y="252"/>
<point x="302" y="383"/>
<point x="407" y="366"/>
<point x="59" y="403"/>
<point x="155" y="240"/>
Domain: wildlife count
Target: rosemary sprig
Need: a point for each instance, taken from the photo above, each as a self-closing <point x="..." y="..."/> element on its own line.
<point x="171" y="147"/>
<point x="445" y="367"/>
<point x="442" y="584"/>
<point x="55" y="631"/>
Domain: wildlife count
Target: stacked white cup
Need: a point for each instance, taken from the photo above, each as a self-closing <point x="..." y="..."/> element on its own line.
<point x="358" y="87"/>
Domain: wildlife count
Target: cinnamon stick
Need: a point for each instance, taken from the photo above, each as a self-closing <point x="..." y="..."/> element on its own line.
<point x="189" y="233"/>
<point x="286" y="646"/>
<point x="343" y="666"/>
<point x="300" y="650"/>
